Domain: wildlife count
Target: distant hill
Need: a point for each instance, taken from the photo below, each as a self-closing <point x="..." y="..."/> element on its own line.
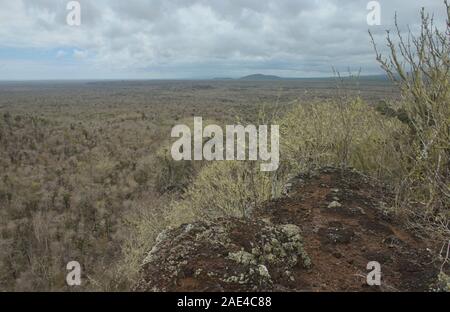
<point x="260" y="77"/>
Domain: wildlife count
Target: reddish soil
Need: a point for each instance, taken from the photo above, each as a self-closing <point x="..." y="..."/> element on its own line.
<point x="340" y="239"/>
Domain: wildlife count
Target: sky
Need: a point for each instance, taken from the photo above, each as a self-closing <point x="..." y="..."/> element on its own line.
<point x="195" y="39"/>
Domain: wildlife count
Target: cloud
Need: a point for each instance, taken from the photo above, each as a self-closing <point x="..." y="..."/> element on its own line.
<point x="203" y="38"/>
<point x="61" y="54"/>
<point x="78" y="54"/>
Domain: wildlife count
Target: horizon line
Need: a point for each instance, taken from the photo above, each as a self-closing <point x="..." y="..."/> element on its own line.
<point x="186" y="79"/>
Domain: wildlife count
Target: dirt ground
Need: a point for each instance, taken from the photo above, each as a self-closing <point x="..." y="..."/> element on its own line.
<point x="319" y="237"/>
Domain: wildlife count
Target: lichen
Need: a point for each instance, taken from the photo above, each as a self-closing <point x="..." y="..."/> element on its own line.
<point x="242" y="257"/>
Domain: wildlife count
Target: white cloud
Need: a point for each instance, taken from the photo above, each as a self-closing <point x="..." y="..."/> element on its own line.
<point x="78" y="54"/>
<point x="186" y="38"/>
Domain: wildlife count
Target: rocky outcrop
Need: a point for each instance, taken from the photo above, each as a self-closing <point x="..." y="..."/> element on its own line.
<point x="319" y="237"/>
<point x="227" y="255"/>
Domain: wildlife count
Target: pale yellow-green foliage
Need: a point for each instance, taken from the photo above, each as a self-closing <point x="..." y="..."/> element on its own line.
<point x="342" y="134"/>
<point x="146" y="222"/>
<point x="175" y="176"/>
<point x="420" y="65"/>
<point x="312" y="135"/>
<point x="227" y="188"/>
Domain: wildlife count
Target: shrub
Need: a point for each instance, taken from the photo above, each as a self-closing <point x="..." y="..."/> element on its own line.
<point x="227" y="188"/>
<point x="172" y="176"/>
<point x="420" y="65"/>
<point x="350" y="134"/>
